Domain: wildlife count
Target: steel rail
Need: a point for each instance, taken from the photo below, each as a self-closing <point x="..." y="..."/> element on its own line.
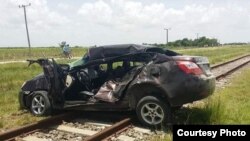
<point x="228" y="62"/>
<point x="11" y="134"/>
<point x="107" y="132"/>
<point x="231" y="71"/>
<point x="30" y="128"/>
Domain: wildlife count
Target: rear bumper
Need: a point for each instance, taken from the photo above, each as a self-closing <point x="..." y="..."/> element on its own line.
<point x="191" y="88"/>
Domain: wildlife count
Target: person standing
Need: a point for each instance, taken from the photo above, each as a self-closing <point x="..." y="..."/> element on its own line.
<point x="67" y="51"/>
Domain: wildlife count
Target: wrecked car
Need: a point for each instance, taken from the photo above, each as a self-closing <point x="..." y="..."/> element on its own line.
<point x="147" y="79"/>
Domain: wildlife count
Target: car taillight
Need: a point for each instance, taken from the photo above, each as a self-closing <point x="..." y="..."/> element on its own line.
<point x="189" y="67"/>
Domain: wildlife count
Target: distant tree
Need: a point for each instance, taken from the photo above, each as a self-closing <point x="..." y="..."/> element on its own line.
<point x="200" y="42"/>
<point x="235" y="43"/>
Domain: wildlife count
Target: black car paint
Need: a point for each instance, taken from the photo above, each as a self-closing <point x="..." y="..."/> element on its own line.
<point x="171" y="84"/>
<point x="160" y="76"/>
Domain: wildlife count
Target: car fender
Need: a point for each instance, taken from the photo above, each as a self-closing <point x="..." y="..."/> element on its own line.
<point x="139" y="90"/>
<point x="25" y="99"/>
<point x="38" y="83"/>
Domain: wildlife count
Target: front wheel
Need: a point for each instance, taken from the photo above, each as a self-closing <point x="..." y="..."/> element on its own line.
<point x="40" y="104"/>
<point x="153" y="112"/>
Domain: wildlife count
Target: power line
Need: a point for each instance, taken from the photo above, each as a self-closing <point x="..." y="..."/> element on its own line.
<point x="167" y="34"/>
<point x="26" y="23"/>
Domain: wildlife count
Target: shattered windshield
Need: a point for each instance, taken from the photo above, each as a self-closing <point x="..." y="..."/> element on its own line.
<point x="79" y="62"/>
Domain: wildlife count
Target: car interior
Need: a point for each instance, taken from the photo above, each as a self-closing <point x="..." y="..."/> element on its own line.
<point x="92" y="78"/>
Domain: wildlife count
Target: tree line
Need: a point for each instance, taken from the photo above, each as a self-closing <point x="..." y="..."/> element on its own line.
<point x="199" y="42"/>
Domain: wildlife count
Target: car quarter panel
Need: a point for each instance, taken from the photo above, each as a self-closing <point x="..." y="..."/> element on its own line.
<point x="167" y="81"/>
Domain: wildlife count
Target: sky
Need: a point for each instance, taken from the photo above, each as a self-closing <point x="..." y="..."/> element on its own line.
<point x="104" y="22"/>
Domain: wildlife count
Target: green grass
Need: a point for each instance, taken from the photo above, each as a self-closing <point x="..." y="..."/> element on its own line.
<point x="163" y="137"/>
<point x="215" y="54"/>
<point x="7" y="54"/>
<point x="218" y="54"/>
<point x="233" y="103"/>
<point x="12" y="77"/>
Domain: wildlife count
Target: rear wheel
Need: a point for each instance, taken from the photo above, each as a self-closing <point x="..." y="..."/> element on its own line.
<point x="40" y="104"/>
<point x="153" y="112"/>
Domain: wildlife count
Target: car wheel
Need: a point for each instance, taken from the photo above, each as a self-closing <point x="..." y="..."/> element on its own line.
<point x="153" y="112"/>
<point x="40" y="104"/>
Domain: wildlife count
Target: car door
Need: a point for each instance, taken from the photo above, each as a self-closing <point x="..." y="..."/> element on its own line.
<point x="55" y="79"/>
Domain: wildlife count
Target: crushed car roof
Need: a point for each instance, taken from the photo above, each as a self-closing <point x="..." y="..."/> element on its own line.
<point x="116" y="50"/>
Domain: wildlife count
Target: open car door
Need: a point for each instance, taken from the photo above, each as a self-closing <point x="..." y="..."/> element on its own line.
<point x="55" y="78"/>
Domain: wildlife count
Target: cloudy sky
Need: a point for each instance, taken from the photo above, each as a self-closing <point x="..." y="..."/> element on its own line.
<point x="100" y="22"/>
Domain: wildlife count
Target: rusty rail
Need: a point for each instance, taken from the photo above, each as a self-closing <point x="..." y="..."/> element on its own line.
<point x="230" y="61"/>
<point x="11" y="134"/>
<point x="231" y="71"/>
<point x="110" y="130"/>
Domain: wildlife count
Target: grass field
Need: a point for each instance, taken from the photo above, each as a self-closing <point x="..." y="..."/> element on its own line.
<point x="215" y="54"/>
<point x="13" y="75"/>
<point x="11" y="54"/>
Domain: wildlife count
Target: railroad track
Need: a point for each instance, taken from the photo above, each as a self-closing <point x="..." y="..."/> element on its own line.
<point x="70" y="126"/>
<point x="65" y="127"/>
<point x="224" y="69"/>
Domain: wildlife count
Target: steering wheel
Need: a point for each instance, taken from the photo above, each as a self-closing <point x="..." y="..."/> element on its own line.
<point x="84" y="78"/>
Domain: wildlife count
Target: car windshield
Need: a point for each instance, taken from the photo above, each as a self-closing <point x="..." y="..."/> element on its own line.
<point x="79" y="62"/>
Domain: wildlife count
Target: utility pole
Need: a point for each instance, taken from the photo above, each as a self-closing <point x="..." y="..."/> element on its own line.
<point x="167" y="34"/>
<point x="26" y="23"/>
<point x="197" y="36"/>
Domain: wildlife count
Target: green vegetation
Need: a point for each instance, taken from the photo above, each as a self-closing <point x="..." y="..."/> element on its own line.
<point x="233" y="103"/>
<point x="217" y="54"/>
<point x="12" y="77"/>
<point x="200" y="42"/>
<point x="164" y="137"/>
<point x="10" y="54"/>
<point x="227" y="106"/>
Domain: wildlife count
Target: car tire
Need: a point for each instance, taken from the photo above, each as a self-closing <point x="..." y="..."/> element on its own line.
<point x="154" y="113"/>
<point x="40" y="104"/>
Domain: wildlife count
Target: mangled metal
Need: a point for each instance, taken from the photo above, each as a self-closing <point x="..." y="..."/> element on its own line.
<point x="117" y="77"/>
<point x="106" y="92"/>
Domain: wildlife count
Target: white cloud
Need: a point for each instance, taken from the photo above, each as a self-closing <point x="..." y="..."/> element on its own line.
<point x="135" y="14"/>
<point x="8" y="14"/>
<point x="129" y="15"/>
<point x="41" y="19"/>
<point x="63" y="6"/>
<point x="38" y="14"/>
<point x="99" y="12"/>
<point x="122" y="21"/>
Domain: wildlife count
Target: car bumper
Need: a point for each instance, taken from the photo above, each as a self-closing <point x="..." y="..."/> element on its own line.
<point x="191" y="88"/>
<point x="22" y="98"/>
